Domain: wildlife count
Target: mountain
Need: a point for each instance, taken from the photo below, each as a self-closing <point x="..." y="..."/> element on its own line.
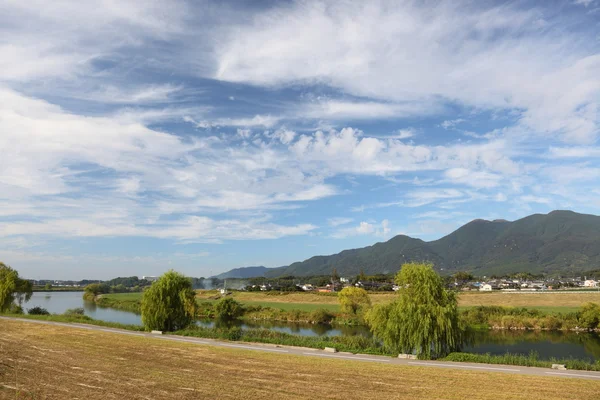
<point x="558" y="242"/>
<point x="244" y="272"/>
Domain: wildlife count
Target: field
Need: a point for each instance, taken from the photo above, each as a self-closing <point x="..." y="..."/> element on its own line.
<point x="100" y="365"/>
<point x="554" y="302"/>
<point x="550" y="302"/>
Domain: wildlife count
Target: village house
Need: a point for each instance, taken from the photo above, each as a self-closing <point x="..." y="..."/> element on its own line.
<point x="590" y="283"/>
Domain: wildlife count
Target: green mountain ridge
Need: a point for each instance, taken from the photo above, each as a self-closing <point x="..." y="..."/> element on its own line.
<point x="557" y="242"/>
<point x="560" y="242"/>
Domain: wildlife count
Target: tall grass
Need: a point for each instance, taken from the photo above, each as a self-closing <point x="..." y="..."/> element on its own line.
<point x="354" y="344"/>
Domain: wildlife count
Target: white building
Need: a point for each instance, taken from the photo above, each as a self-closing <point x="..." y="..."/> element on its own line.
<point x="485" y="287"/>
<point x="590" y="283"/>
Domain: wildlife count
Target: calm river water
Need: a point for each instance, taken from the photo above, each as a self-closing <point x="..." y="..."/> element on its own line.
<point x="546" y="344"/>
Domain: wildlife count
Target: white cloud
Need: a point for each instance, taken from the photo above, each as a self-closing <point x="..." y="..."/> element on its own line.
<point x="266" y="121"/>
<point x="364" y="228"/>
<point x="496" y="57"/>
<point x="535" y="199"/>
<point x="448" y="124"/>
<point x="144" y="94"/>
<point x="344" y="110"/>
<point x="405" y="133"/>
<point x="574" y="152"/>
<point x="477" y="179"/>
<point x="419" y="198"/>
<point x="339" y="221"/>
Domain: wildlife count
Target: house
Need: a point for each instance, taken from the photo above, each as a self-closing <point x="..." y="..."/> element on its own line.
<point x="488" y="287"/>
<point x="590" y="283"/>
<point x="308" y="287"/>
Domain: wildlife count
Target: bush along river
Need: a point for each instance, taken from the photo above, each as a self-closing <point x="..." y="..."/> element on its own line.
<point x="546" y="344"/>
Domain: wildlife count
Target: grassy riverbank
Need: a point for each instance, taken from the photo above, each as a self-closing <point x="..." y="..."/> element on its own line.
<point x="530" y="360"/>
<point x="58" y="289"/>
<point x="318" y="308"/>
<point x="99" y="365"/>
<point x="353" y="344"/>
<point x="551" y="302"/>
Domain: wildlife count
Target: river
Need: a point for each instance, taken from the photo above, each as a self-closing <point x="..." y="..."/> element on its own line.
<point x="546" y="344"/>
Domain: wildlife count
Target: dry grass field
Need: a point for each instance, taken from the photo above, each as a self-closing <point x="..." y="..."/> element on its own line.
<point x="48" y="362"/>
<point x="551" y="301"/>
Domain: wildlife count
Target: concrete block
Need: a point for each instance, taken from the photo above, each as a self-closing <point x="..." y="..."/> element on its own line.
<point x="330" y="349"/>
<point x="559" y="366"/>
<point x="407" y="356"/>
<point x="156" y="332"/>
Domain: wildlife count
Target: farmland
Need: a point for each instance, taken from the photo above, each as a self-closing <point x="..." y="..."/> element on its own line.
<point x="549" y="301"/>
<point x="105" y="365"/>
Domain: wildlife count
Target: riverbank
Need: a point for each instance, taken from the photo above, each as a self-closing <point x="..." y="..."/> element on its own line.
<point x="98" y="365"/>
<point x="57" y="289"/>
<point x="350" y="344"/>
<point x="482" y="317"/>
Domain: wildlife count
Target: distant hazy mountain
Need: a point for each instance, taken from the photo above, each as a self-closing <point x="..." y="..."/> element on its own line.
<point x="244" y="272"/>
<point x="558" y="242"/>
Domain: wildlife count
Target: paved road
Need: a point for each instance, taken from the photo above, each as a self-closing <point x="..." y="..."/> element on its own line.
<point x="300" y="351"/>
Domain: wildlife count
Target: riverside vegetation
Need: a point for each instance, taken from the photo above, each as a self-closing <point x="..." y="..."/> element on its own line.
<point x="127" y="367"/>
<point x="354" y="344"/>
<point x="385" y="321"/>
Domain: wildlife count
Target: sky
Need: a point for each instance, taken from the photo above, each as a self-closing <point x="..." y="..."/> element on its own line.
<point x="140" y="136"/>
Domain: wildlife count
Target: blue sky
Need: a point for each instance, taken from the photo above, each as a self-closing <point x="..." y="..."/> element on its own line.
<point x="203" y="136"/>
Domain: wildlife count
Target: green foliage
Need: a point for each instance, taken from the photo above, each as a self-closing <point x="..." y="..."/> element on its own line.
<point x="94" y="289"/>
<point x="48" y="286"/>
<point x="321" y="316"/>
<point x="530" y="360"/>
<point x="228" y="309"/>
<point x="355" y="344"/>
<point x="12" y="288"/>
<point x="169" y="304"/>
<point x="126" y="301"/>
<point x="15" y="309"/>
<point x="38" y="311"/>
<point x="589" y="316"/>
<point x="354" y="300"/>
<point x="424" y="317"/>
<point x="74" y="312"/>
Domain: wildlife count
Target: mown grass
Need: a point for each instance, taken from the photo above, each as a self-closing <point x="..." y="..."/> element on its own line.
<point x="99" y="365"/>
<point x="78" y="319"/>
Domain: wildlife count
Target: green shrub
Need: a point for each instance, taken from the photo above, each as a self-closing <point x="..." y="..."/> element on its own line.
<point x="589" y="316"/>
<point x="74" y="312"/>
<point x="228" y="309"/>
<point x="321" y="316"/>
<point x="15" y="309"/>
<point x="38" y="311"/>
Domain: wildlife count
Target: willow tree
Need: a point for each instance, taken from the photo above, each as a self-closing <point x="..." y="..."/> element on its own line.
<point x="169" y="304"/>
<point x="13" y="289"/>
<point x="423" y="319"/>
<point x="353" y="299"/>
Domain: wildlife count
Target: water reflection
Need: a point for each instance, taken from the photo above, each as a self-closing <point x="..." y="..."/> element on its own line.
<point x="561" y="345"/>
<point x="59" y="302"/>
